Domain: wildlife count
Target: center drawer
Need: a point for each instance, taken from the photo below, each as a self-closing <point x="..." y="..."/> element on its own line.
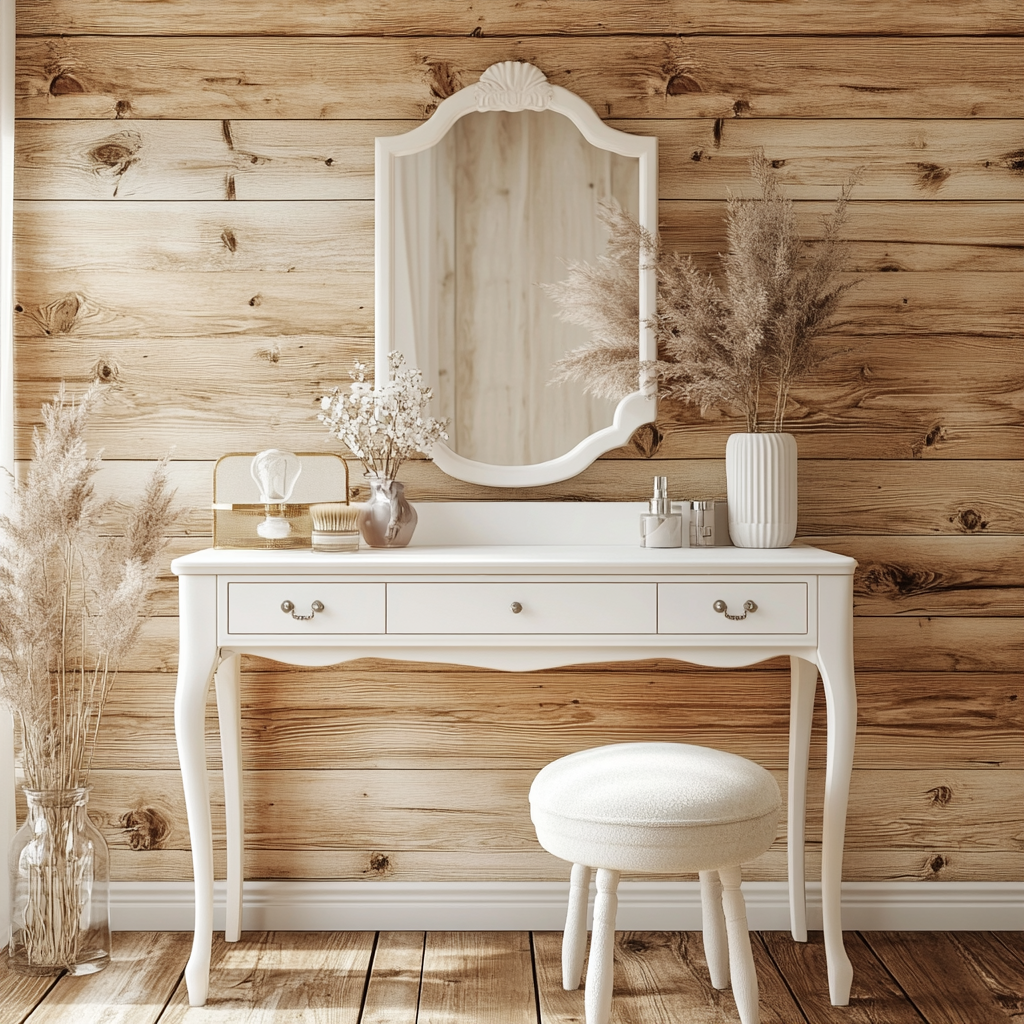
<point x="542" y="608"/>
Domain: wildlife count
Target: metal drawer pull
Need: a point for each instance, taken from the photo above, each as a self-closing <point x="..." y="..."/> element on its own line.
<point x="748" y="606"/>
<point x="516" y="607"/>
<point x="287" y="606"/>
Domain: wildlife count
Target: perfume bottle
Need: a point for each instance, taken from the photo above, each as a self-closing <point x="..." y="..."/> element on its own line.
<point x="661" y="527"/>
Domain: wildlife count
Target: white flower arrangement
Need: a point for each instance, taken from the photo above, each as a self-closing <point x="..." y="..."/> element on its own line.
<point x="383" y="426"/>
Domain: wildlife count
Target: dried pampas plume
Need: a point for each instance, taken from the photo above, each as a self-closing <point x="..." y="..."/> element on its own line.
<point x="740" y="343"/>
<point x="71" y="598"/>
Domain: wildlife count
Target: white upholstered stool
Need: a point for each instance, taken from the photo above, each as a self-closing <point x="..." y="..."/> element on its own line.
<point x="656" y="807"/>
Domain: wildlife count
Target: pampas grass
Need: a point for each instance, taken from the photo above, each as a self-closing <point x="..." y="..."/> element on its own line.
<point x="741" y="343"/>
<point x="71" y="599"/>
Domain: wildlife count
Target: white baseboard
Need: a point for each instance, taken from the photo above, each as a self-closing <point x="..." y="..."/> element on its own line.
<point x="540" y="906"/>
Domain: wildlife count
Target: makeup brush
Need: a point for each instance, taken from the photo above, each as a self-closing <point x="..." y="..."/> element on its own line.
<point x="335" y="526"/>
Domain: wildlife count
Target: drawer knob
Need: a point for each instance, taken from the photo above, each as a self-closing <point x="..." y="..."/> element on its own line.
<point x="748" y="607"/>
<point x="516" y="607"/>
<point x="287" y="606"/>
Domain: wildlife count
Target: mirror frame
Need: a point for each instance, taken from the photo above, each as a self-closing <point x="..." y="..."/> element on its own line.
<point x="514" y="86"/>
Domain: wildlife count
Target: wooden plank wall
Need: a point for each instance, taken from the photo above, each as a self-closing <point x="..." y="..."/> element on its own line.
<point x="194" y="228"/>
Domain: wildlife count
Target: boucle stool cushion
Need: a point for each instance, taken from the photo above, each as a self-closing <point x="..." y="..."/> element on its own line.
<point x="662" y="807"/>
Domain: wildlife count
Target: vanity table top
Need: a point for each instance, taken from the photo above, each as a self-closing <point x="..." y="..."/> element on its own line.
<point x="583" y="559"/>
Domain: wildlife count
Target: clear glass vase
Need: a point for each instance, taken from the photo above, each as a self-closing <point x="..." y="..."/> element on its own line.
<point x="387" y="519"/>
<point x="60" y="880"/>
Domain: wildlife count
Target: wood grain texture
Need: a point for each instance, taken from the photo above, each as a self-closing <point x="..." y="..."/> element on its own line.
<point x="947" y="986"/>
<point x="355" y="716"/>
<point x="271" y="977"/>
<point x="393" y="988"/>
<point x="507" y="17"/>
<point x="461" y="812"/>
<point x="144" y="970"/>
<point x="313" y="236"/>
<point x="931" y="863"/>
<point x="700" y="159"/>
<point x="207" y="257"/>
<point x="19" y="994"/>
<point x="670" y="76"/>
<point x="874" y="999"/>
<point x="870" y="400"/>
<point x="484" y="977"/>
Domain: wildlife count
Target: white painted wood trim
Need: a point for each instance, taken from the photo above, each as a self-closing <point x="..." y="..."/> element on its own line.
<point x="634" y="410"/>
<point x="7" y="818"/>
<point x="540" y="906"/>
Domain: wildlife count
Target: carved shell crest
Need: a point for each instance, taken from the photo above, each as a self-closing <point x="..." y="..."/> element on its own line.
<point x="513" y="85"/>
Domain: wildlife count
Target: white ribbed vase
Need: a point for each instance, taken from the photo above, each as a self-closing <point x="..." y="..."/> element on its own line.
<point x="760" y="473"/>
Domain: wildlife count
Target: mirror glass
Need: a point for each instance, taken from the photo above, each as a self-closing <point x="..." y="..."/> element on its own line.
<point x="482" y="219"/>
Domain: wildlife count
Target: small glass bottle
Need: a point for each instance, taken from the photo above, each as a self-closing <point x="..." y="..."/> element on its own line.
<point x="661" y="527"/>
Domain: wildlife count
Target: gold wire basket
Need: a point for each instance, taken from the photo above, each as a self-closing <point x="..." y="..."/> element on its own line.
<point x="237" y="510"/>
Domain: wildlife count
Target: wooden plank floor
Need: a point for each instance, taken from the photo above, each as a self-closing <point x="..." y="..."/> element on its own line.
<point x="515" y="978"/>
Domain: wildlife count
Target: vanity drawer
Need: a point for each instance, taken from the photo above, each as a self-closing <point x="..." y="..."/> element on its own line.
<point x="543" y="608"/>
<point x="347" y="608"/>
<point x="690" y="608"/>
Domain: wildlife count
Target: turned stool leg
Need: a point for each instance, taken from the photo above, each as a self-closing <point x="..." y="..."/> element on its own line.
<point x="716" y="949"/>
<point x="598" y="997"/>
<point x="741" y="960"/>
<point x="574" y="938"/>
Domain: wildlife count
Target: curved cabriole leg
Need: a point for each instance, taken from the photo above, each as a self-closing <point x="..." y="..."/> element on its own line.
<point x="741" y="960"/>
<point x="716" y="948"/>
<point x="574" y="938"/>
<point x="835" y="660"/>
<point x="229" y="716"/>
<point x="804" y="679"/>
<point x="598" y="996"/>
<point x="197" y="659"/>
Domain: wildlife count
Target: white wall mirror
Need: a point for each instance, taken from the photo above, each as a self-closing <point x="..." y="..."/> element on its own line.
<point x="476" y="209"/>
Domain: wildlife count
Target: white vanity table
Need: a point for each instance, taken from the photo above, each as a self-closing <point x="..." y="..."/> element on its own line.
<point x="513" y="585"/>
<point x="588" y="594"/>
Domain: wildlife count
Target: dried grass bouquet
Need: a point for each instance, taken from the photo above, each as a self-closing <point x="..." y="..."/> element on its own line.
<point x="383" y="426"/>
<point x="741" y="343"/>
<point x="71" y="598"/>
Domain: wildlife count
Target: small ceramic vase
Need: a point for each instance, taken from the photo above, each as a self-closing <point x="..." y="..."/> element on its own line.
<point x="387" y="520"/>
<point x="760" y="471"/>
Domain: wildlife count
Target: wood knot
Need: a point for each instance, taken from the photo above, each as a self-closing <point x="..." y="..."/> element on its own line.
<point x="969" y="520"/>
<point x="940" y="796"/>
<point x="64" y="85"/>
<point x="59" y="316"/>
<point x="716" y="131"/>
<point x="888" y="580"/>
<point x="476" y="33"/>
<point x="936" y="864"/>
<point x="1013" y="161"/>
<point x="256" y="300"/>
<point x="106" y="372"/>
<point x="931" y="176"/>
<point x="145" y="828"/>
<point x="647" y="440"/>
<point x="380" y="864"/>
<point x="227" y="236"/>
<point x="117" y="153"/>
<point x="680" y="84"/>
<point x="445" y="81"/>
<point x="634" y="944"/>
<point x="932" y="438"/>
<point x="741" y="107"/>
<point x="122" y="108"/>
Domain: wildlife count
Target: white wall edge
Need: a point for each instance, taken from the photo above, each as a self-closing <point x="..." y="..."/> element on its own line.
<point x="540" y="906"/>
